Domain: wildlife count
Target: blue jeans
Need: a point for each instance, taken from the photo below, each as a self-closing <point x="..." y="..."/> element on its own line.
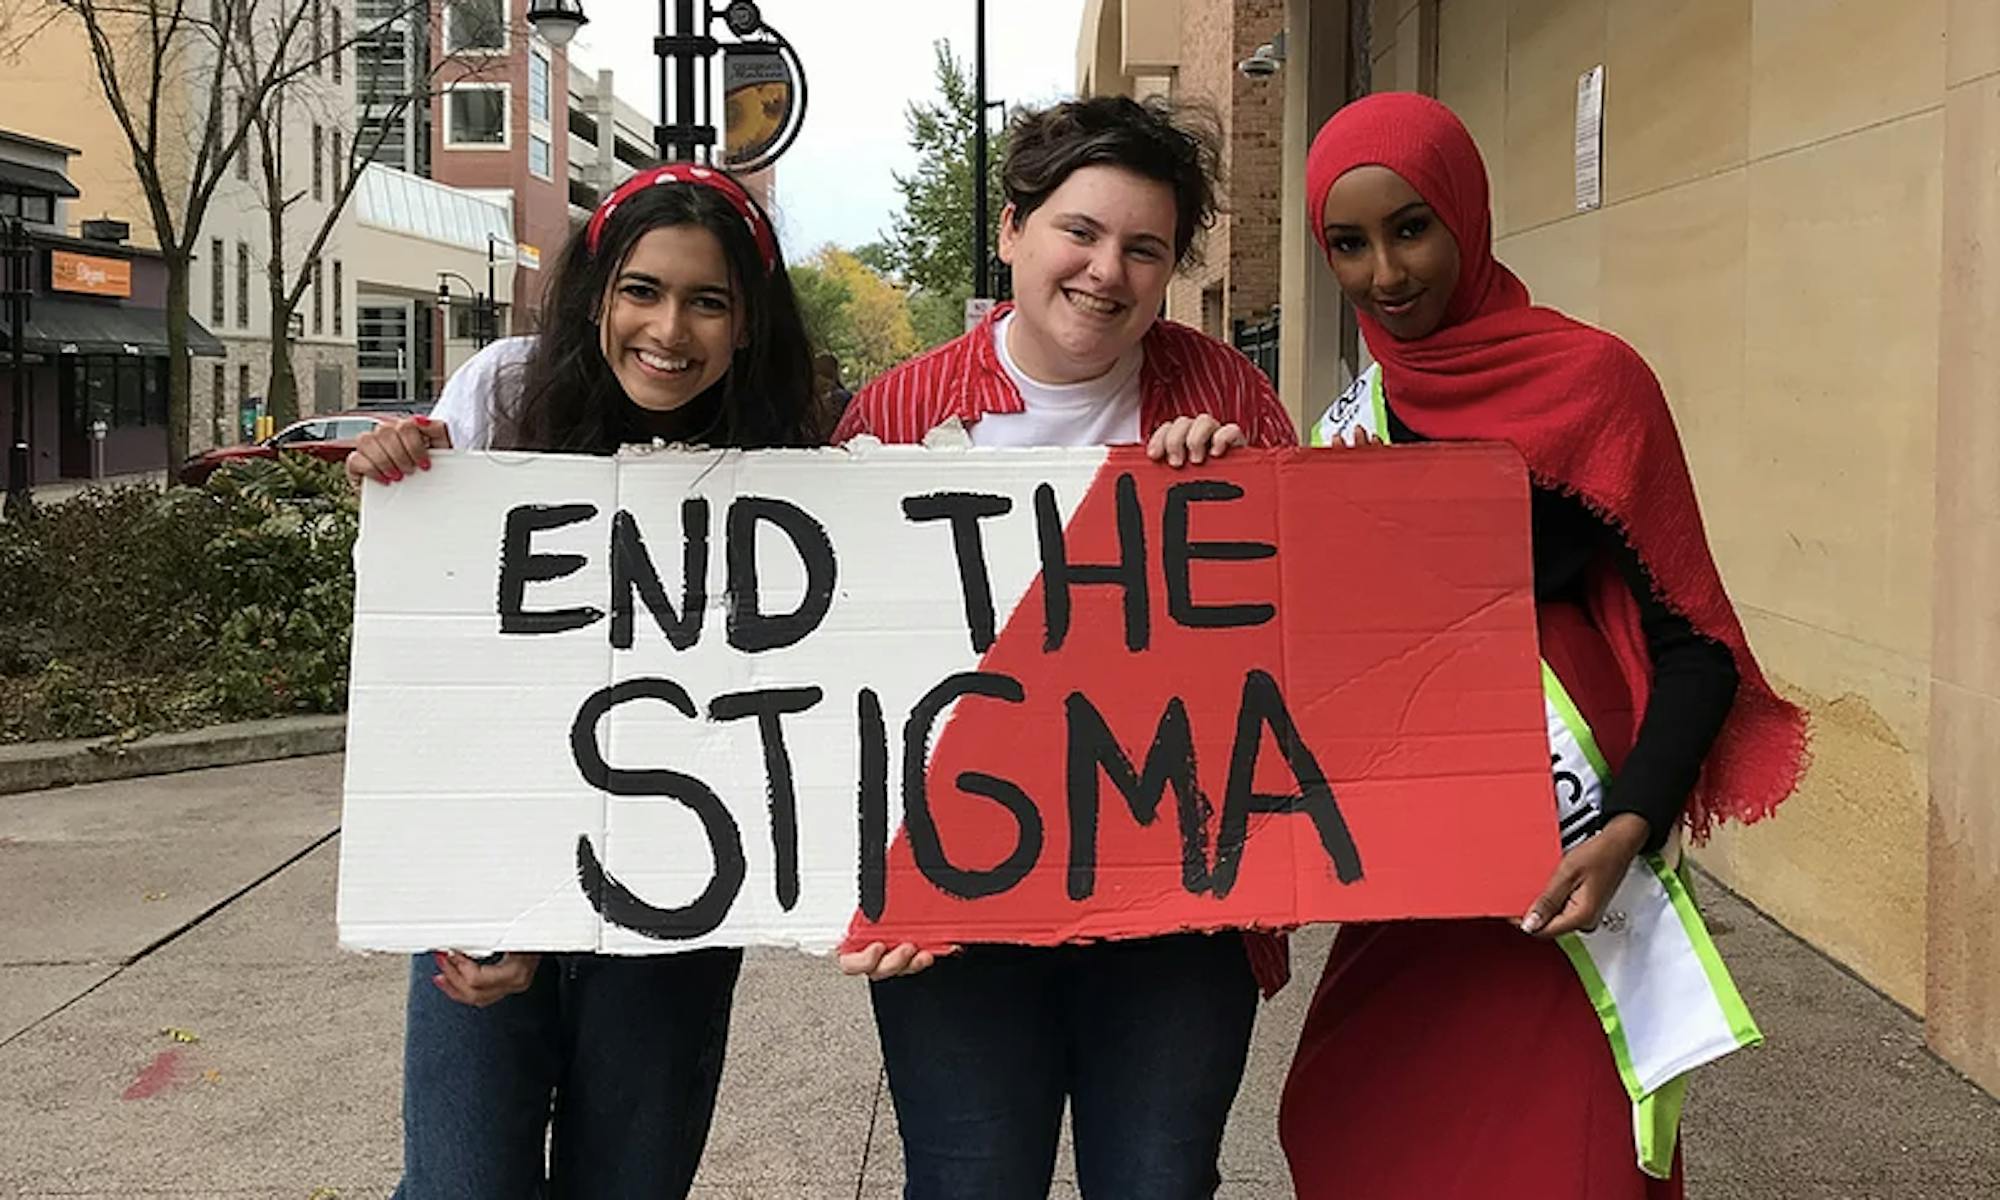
<point x="621" y="1055"/>
<point x="1146" y="1039"/>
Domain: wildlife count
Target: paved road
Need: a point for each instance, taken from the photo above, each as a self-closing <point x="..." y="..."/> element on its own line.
<point x="176" y="1022"/>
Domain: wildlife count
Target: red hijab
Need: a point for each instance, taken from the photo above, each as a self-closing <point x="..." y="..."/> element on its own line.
<point x="1586" y="414"/>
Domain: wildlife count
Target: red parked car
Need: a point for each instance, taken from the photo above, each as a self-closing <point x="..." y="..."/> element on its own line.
<point x="328" y="436"/>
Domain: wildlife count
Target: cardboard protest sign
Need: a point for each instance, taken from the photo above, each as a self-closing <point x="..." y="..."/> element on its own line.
<point x="680" y="699"/>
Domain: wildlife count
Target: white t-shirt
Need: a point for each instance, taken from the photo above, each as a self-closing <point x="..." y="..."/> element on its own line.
<point x="471" y="397"/>
<point x="1097" y="412"/>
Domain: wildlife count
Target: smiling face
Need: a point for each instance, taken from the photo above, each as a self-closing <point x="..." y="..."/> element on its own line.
<point x="671" y="321"/>
<point x="1394" y="258"/>
<point x="1091" y="268"/>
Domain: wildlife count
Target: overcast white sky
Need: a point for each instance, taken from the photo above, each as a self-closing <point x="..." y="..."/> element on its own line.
<point x="864" y="61"/>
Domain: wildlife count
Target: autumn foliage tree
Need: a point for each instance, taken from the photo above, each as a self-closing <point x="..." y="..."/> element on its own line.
<point x="853" y="311"/>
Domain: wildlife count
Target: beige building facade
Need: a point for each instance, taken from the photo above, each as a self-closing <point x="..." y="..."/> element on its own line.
<point x="1798" y="224"/>
<point x="51" y="90"/>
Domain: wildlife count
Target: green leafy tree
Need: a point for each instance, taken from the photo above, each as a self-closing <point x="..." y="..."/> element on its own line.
<point x="929" y="245"/>
<point x="938" y="317"/>
<point x="823" y="300"/>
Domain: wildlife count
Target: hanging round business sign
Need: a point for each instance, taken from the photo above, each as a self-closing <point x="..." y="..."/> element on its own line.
<point x="763" y="99"/>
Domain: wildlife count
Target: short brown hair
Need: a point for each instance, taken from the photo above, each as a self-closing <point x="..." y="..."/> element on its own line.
<point x="1178" y="145"/>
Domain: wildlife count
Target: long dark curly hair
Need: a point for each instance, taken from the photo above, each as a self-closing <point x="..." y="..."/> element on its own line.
<point x="571" y="401"/>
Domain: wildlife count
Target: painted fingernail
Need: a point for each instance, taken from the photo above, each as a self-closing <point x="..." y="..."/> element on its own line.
<point x="426" y="464"/>
<point x="1531" y="922"/>
<point x="423" y="420"/>
<point x="395" y="476"/>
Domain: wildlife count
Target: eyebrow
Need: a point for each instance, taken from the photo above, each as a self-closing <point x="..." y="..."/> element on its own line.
<point x="719" y="289"/>
<point x="1097" y="226"/>
<point x="1398" y="215"/>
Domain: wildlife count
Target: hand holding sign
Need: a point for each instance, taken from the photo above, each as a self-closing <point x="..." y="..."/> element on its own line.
<point x="1193" y="439"/>
<point x="398" y="448"/>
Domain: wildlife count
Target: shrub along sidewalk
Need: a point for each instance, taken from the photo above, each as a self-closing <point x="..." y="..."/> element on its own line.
<point x="129" y="611"/>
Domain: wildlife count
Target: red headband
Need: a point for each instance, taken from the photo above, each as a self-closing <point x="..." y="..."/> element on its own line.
<point x="699" y="176"/>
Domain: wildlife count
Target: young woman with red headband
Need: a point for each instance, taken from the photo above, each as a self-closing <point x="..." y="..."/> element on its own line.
<point x="669" y="317"/>
<point x="1471" y="1058"/>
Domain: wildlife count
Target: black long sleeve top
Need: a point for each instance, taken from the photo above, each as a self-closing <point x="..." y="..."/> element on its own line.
<point x="1694" y="677"/>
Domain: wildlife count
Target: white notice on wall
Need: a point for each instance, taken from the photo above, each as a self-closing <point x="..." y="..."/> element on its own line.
<point x="1590" y="139"/>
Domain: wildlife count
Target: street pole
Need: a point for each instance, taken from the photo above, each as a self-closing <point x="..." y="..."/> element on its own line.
<point x="684" y="52"/>
<point x="979" y="232"/>
<point x="19" y="462"/>
<point x="491" y="325"/>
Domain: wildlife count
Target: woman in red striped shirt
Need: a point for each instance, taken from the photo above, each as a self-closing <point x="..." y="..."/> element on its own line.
<point x="983" y="1047"/>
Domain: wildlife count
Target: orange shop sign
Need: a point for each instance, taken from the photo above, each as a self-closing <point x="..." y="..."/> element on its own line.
<point x="86" y="273"/>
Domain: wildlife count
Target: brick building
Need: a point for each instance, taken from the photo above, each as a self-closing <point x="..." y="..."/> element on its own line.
<point x="1189" y="50"/>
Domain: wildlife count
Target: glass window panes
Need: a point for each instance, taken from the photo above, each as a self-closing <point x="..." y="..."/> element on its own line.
<point x="309" y="431"/>
<point x="538" y="88"/>
<point x="381" y="337"/>
<point x="153" y="399"/>
<point x="217" y="277"/>
<point x="475" y="25"/>
<point x="129" y="405"/>
<point x="539" y="156"/>
<point x="478" y="116"/>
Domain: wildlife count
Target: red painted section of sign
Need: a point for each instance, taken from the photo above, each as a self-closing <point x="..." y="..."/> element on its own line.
<point x="1404" y="649"/>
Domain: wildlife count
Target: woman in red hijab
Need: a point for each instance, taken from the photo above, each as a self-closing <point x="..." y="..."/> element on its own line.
<point x="1464" y="1058"/>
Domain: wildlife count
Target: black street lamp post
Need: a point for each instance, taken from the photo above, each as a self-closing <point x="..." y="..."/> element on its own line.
<point x="690" y="50"/>
<point x="482" y="307"/>
<point x="18" y="287"/>
<point x="686" y="50"/>
<point x="979" y="275"/>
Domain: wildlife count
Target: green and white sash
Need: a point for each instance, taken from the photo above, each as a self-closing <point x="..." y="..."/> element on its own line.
<point x="1651" y="970"/>
<point x="1361" y="406"/>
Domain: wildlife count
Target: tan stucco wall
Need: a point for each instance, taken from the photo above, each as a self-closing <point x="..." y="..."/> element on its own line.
<point x="1963" y="997"/>
<point x="52" y="92"/>
<point x="1770" y="242"/>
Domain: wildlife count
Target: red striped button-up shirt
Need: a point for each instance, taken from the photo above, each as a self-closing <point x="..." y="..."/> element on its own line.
<point x="1184" y="374"/>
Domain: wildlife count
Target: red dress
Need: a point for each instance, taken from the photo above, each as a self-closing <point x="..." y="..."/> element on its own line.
<point x="1461" y="1060"/>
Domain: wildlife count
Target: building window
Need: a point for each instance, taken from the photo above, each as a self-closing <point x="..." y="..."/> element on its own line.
<point x="339" y="305"/>
<point x="318" y="37"/>
<point x="538" y="87"/>
<point x="242" y="286"/>
<point x="382" y="76"/>
<point x="339" y="47"/>
<point x="123" y="392"/>
<point x="216" y="278"/>
<point x="243" y="149"/>
<point x="1211" y="310"/>
<point x="243" y="388"/>
<point x="38" y="208"/>
<point x="339" y="161"/>
<point x="319" y="299"/>
<point x="538" y="157"/>
<point x="475" y="26"/>
<point x="219" y="407"/>
<point x="383" y="353"/>
<point x="319" y="163"/>
<point x="475" y="114"/>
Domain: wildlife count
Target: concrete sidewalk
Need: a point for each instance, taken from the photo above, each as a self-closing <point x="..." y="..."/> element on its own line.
<point x="145" y="913"/>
